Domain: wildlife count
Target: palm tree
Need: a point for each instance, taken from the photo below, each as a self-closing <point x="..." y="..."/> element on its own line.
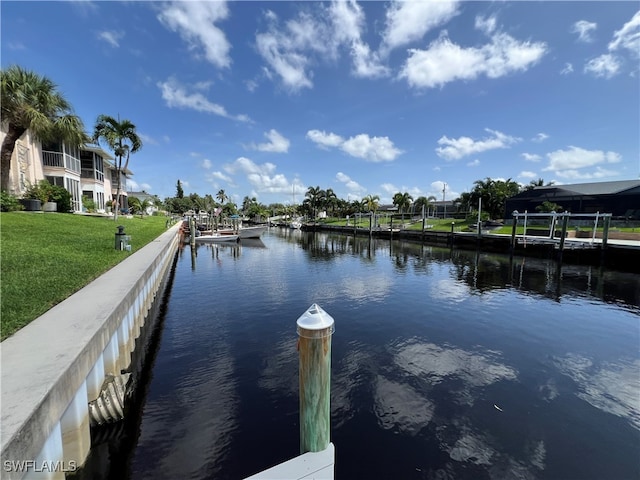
<point x="31" y="102"/>
<point x="402" y="201"/>
<point x="314" y="197"/>
<point x="222" y="196"/>
<point x="330" y="200"/>
<point x="424" y="202"/>
<point x="372" y="202"/>
<point x="537" y="183"/>
<point x="121" y="137"/>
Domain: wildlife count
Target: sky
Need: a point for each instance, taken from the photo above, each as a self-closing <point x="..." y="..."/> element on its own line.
<point x="266" y="99"/>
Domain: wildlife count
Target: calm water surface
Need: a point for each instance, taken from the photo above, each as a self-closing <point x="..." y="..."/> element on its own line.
<point x="446" y="364"/>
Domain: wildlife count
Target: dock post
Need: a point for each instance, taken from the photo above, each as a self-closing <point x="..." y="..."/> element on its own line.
<point x="391" y="228"/>
<point x="513" y="231"/>
<point x="563" y="234"/>
<point x="192" y="230"/>
<point x="315" y="328"/>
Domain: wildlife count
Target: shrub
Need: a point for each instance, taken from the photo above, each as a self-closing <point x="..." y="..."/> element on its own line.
<point x="39" y="191"/>
<point x="9" y="203"/>
<point x="89" y="204"/>
<point x="61" y="196"/>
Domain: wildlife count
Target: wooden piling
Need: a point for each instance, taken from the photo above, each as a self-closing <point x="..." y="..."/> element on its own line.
<point x="315" y="328"/>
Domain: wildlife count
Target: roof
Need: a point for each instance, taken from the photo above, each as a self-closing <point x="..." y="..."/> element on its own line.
<point x="597" y="188"/>
<point x="90" y="147"/>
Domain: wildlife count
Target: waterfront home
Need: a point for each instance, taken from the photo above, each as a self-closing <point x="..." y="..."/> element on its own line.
<point x="87" y="171"/>
<point x="620" y="198"/>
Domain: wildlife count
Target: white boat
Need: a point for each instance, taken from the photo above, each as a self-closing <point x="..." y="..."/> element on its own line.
<point x="253" y="231"/>
<point x="295" y="225"/>
<point x="216" y="238"/>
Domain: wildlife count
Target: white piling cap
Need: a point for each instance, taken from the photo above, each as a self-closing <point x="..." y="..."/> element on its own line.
<point x="315" y="318"/>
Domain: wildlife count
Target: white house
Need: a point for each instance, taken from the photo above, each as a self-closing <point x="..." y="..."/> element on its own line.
<point x="87" y="171"/>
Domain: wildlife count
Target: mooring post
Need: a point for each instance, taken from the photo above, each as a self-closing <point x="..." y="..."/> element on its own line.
<point x="513" y="231"/>
<point x="315" y="327"/>
<point x="391" y="227"/>
<point x="192" y="230"/>
<point x="563" y="233"/>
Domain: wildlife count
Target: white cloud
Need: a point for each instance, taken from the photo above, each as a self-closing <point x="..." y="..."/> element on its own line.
<point x="373" y="149"/>
<point x="277" y="143"/>
<point x="605" y="66"/>
<point x="206" y="163"/>
<point x="486" y="25"/>
<point x="531" y="157"/>
<point x="540" y="137"/>
<point x="324" y="140"/>
<point x="290" y="50"/>
<point x="147" y="139"/>
<point x="221" y="176"/>
<point x="568" y="68"/>
<point x="176" y="95"/>
<point x="263" y="177"/>
<point x="195" y="22"/>
<point x="568" y="163"/>
<point x="628" y="36"/>
<point x="454" y="149"/>
<point x="527" y="174"/>
<point x="133" y="186"/>
<point x="443" y="61"/>
<point x="584" y="29"/>
<point x="408" y="21"/>
<point x="111" y="37"/>
<point x="474" y="163"/>
<point x="348" y="22"/>
<point x="351" y="185"/>
<point x="598" y="173"/>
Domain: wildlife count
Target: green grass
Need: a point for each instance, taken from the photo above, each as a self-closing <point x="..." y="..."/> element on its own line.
<point x="45" y="258"/>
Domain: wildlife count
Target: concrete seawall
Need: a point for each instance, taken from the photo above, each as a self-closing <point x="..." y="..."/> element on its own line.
<point x="55" y="365"/>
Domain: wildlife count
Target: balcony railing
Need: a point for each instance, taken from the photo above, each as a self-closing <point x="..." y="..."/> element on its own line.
<point x="61" y="160"/>
<point x="52" y="159"/>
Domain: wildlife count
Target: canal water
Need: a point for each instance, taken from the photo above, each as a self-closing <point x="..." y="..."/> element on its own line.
<point x="446" y="364"/>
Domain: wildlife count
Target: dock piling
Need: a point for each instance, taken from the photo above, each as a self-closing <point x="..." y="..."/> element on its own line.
<point x="315" y="328"/>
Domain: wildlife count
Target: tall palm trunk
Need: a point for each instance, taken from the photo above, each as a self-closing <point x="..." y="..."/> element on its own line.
<point x="6" y="151"/>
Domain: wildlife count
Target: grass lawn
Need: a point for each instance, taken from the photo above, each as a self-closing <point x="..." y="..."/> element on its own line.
<point x="45" y="258"/>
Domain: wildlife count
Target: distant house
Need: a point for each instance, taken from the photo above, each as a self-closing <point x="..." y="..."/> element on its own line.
<point x="620" y="198"/>
<point x="142" y="196"/>
<point x="86" y="172"/>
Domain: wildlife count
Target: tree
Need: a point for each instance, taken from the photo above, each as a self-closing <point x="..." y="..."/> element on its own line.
<point x="537" y="183"/>
<point x="548" y="207"/>
<point x="31" y="102"/>
<point x="121" y="137"/>
<point x="494" y="194"/>
<point x="330" y="200"/>
<point x="179" y="190"/>
<point x="372" y="202"/>
<point x="424" y="202"/>
<point x="222" y="196"/>
<point x="314" y="198"/>
<point x="402" y="201"/>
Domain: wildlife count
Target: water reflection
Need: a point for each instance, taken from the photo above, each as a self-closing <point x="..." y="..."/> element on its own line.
<point x="446" y="364"/>
<point x="613" y="387"/>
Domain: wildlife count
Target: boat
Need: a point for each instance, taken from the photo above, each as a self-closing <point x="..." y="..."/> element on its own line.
<point x="296" y="225"/>
<point x="253" y="231"/>
<point x="216" y="238"/>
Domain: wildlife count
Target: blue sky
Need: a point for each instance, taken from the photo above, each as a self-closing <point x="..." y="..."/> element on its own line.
<point x="261" y="98"/>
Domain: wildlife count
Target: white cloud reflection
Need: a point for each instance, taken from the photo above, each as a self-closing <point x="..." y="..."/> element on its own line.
<point x="398" y="405"/>
<point x="611" y="387"/>
<point x="436" y="363"/>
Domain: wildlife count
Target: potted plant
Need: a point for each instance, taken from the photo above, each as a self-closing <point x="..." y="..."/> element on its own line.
<point x="47" y="197"/>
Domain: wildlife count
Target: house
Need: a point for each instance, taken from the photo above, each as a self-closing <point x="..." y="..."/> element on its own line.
<point x="620" y="198"/>
<point x="87" y="171"/>
<point x="142" y="196"/>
